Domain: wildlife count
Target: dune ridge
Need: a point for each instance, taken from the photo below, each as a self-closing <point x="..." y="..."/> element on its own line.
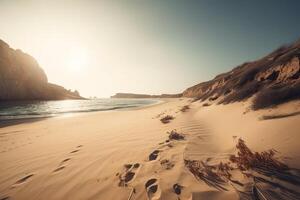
<point x="271" y="80"/>
<point x="268" y="82"/>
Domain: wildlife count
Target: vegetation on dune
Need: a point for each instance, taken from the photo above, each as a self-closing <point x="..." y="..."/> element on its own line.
<point x="276" y="95"/>
<point x="174" y="135"/>
<point x="245" y="161"/>
<point x="185" y="108"/>
<point x="271" y="80"/>
<point x="166" y="119"/>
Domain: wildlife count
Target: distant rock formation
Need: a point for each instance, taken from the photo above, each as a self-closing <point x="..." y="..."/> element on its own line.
<point x="131" y="95"/>
<point x="21" y="78"/>
<point x="272" y="80"/>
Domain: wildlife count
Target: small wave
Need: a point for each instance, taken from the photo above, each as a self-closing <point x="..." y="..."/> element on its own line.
<point x="40" y="109"/>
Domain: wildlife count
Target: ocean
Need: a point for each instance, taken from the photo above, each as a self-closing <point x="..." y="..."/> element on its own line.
<point x="38" y="109"/>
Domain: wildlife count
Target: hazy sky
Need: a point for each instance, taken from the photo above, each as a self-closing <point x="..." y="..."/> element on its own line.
<point x="154" y="46"/>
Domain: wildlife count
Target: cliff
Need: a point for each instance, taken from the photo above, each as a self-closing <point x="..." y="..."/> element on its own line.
<point x="271" y="80"/>
<point x="21" y="78"/>
<point x="131" y="95"/>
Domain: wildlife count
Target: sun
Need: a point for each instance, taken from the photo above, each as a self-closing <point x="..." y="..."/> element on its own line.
<point x="77" y="60"/>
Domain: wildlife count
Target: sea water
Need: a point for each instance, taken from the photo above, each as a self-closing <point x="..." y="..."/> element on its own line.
<point x="36" y="109"/>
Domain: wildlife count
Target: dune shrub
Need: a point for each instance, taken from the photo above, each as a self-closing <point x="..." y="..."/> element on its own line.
<point x="272" y="96"/>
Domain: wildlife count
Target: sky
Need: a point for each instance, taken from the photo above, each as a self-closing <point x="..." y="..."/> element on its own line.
<point x="155" y="46"/>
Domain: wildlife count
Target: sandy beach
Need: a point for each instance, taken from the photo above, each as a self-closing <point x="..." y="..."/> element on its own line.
<point x="84" y="156"/>
<point x="149" y="100"/>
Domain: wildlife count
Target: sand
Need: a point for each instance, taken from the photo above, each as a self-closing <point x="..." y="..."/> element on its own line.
<point x="85" y="156"/>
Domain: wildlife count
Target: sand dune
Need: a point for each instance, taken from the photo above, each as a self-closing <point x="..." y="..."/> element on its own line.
<point x="129" y="154"/>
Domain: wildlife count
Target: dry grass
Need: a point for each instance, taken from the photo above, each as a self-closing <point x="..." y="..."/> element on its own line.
<point x="206" y="104"/>
<point x="166" y="119"/>
<point x="214" y="176"/>
<point x="213" y="98"/>
<point x="276" y="95"/>
<point x="242" y="93"/>
<point x="199" y="168"/>
<point x="185" y="108"/>
<point x="196" y="99"/>
<point x="246" y="159"/>
<point x="174" y="135"/>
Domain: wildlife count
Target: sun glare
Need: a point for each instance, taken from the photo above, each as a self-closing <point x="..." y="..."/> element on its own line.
<point x="77" y="60"/>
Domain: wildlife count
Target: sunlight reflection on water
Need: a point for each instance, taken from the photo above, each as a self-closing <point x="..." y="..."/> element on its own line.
<point x="20" y="110"/>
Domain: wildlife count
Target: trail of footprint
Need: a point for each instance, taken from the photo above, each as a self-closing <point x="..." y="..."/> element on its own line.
<point x="23" y="180"/>
<point x="153" y="191"/>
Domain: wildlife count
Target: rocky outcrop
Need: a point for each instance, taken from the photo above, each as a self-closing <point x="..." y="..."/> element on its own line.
<point x="272" y="80"/>
<point x="131" y="95"/>
<point x="21" y="78"/>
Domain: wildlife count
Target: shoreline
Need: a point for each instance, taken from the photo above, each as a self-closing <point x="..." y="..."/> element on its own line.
<point x="15" y="121"/>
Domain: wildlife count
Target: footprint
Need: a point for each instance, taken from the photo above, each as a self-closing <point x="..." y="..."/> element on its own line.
<point x="128" y="175"/>
<point x="150" y="182"/>
<point x="136" y="165"/>
<point x="59" y="169"/>
<point x="128" y="166"/>
<point x="153" y="191"/>
<point x="65" y="160"/>
<point x="177" y="188"/>
<point x="74" y="151"/>
<point x="23" y="180"/>
<point x="153" y="155"/>
<point x="78" y="149"/>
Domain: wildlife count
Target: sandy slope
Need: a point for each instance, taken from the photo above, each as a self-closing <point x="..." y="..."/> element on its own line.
<point x="82" y="156"/>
